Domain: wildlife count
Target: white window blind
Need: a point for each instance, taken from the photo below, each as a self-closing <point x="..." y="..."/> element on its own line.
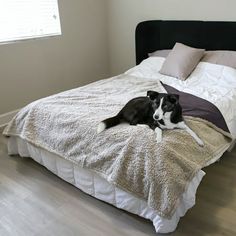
<point x="25" y="19"/>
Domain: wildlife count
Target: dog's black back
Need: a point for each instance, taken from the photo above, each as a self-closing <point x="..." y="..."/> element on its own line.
<point x="137" y="111"/>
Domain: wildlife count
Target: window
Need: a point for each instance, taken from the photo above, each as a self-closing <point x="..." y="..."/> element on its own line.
<point x="25" y="19"/>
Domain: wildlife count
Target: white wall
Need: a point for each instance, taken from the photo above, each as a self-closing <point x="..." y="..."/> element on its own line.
<point x="98" y="38"/>
<point x="33" y="69"/>
<point x="124" y="15"/>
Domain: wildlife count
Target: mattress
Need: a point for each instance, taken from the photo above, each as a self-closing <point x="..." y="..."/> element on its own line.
<point x="94" y="185"/>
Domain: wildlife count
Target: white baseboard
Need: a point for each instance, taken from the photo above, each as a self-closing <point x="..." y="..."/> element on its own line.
<point x="6" y="118"/>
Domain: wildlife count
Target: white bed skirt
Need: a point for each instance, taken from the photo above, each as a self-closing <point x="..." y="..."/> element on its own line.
<point x="94" y="185"/>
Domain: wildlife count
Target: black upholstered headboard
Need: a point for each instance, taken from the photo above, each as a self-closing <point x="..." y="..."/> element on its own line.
<point x="157" y="35"/>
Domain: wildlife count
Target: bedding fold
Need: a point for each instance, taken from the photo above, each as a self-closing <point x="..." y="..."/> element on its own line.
<point x="126" y="156"/>
<point x="198" y="107"/>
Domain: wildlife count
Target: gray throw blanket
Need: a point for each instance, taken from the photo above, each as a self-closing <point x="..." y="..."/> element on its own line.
<point x="126" y="156"/>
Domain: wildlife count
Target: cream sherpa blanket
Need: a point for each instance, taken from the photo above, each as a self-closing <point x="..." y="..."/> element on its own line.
<point x="126" y="156"/>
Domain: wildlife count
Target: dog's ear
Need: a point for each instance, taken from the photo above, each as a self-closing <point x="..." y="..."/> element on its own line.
<point x="174" y="98"/>
<point x="152" y="94"/>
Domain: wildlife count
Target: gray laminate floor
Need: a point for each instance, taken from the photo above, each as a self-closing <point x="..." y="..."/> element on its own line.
<point x="33" y="201"/>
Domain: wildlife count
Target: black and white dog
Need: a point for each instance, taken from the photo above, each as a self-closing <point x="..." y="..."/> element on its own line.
<point x="157" y="110"/>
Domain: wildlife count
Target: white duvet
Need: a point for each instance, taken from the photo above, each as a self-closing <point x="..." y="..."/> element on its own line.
<point x="214" y="83"/>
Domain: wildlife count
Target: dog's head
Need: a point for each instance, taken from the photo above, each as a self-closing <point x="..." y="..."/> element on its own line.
<point x="162" y="103"/>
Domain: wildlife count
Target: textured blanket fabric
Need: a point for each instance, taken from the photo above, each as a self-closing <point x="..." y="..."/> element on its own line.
<point x="127" y="156"/>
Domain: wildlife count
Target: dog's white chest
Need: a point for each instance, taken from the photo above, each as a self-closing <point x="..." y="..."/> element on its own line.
<point x="168" y="124"/>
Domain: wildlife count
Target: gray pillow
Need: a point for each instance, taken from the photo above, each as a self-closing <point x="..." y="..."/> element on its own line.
<point x="225" y="58"/>
<point x="219" y="57"/>
<point x="181" y="61"/>
<point x="160" y="53"/>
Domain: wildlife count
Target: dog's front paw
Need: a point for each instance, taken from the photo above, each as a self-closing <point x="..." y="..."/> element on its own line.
<point x="158" y="139"/>
<point x="158" y="135"/>
<point x="200" y="142"/>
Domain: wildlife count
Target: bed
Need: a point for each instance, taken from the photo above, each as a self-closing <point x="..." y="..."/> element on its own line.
<point x="59" y="132"/>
